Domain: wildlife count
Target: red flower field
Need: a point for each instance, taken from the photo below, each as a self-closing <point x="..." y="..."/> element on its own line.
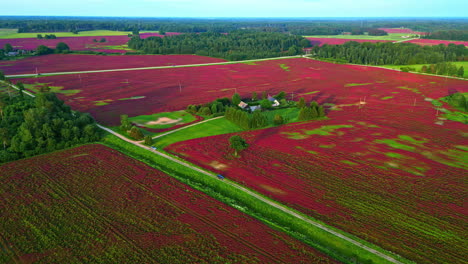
<point x="106" y="95"/>
<point x="432" y="42"/>
<point x="338" y="41"/>
<point x="93" y="203"/>
<point x="76" y="62"/>
<point x="388" y="169"/>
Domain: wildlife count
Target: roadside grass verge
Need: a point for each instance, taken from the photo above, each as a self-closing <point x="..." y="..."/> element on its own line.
<point x="331" y="245"/>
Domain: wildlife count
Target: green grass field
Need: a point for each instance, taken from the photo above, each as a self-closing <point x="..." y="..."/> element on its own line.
<point x="11" y="34"/>
<point x="391" y="37"/>
<point x="419" y="66"/>
<point x="210" y="128"/>
<point x="181" y="116"/>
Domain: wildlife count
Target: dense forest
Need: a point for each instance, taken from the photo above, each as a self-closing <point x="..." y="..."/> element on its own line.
<point x="30" y="127"/>
<point x="237" y="45"/>
<point x="391" y="53"/>
<point x="448" y="35"/>
<point x="191" y="25"/>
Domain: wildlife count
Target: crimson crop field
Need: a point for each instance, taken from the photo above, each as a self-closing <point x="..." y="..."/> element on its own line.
<point x="92" y="204"/>
<point x="76" y="62"/>
<point x="432" y="42"/>
<point x="338" y="41"/>
<point x="386" y="166"/>
<point x="79" y="43"/>
<point x="108" y="95"/>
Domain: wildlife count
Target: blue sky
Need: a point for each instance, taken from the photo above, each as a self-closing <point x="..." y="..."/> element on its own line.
<point x="239" y="8"/>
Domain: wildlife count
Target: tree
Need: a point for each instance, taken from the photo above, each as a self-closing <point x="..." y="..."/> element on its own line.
<point x="461" y="71"/>
<point x="102" y="40"/>
<point x="20" y="86"/>
<point x="280" y="95"/>
<point x="301" y="103"/>
<point x="265" y="104"/>
<point x="62" y="47"/>
<point x="278" y="120"/>
<point x="2" y="76"/>
<point x="39" y="36"/>
<point x="44" y="88"/>
<point x="136" y="133"/>
<point x="125" y="123"/>
<point x="236" y="99"/>
<point x="237" y="143"/>
<point x="148" y="140"/>
<point x="8" y="47"/>
<point x="254" y="96"/>
<point x="43" y="50"/>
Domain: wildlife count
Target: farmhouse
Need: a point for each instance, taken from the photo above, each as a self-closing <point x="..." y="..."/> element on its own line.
<point x="242" y="105"/>
<point x="273" y="101"/>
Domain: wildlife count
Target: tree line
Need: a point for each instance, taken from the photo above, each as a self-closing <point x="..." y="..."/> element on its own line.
<point x="382" y="53"/>
<point x="238" y="45"/>
<point x="448" y="35"/>
<point x="44" y="124"/>
<point x="443" y="68"/>
<point x="299" y="26"/>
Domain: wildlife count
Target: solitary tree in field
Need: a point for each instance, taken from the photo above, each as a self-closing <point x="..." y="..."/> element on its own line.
<point x="461" y="71"/>
<point x="238" y="144"/>
<point x="148" y="140"/>
<point x="125" y="123"/>
<point x="62" y="47"/>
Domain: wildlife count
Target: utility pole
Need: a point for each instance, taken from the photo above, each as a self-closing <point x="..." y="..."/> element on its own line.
<point x="180" y="87"/>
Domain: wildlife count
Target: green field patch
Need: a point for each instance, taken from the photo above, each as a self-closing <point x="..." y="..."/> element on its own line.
<point x="411" y="139"/>
<point x="418" y="67"/>
<point x="395" y="155"/>
<point x="348" y="162"/>
<point x="326" y="130"/>
<point x="308" y="151"/>
<point x="390" y="36"/>
<point x="395" y="92"/>
<point x="96" y="33"/>
<point x="102" y="102"/>
<point x="356" y="84"/>
<point x="284" y="67"/>
<point x="211" y="128"/>
<point x="328" y="146"/>
<point x="54" y="89"/>
<point x="250" y="63"/>
<point x="386" y="97"/>
<point x="414" y="90"/>
<point x="313" y="92"/>
<point x="163" y="120"/>
<point x="118" y="47"/>
<point x="132" y="98"/>
<point x="395" y="144"/>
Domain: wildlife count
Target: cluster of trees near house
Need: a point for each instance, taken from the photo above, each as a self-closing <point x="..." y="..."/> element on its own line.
<point x="215" y="108"/>
<point x="237" y="45"/>
<point x="61" y="47"/>
<point x="313" y="111"/>
<point x="443" y="68"/>
<point x="457" y="100"/>
<point x="391" y="53"/>
<point x="44" y="124"/>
